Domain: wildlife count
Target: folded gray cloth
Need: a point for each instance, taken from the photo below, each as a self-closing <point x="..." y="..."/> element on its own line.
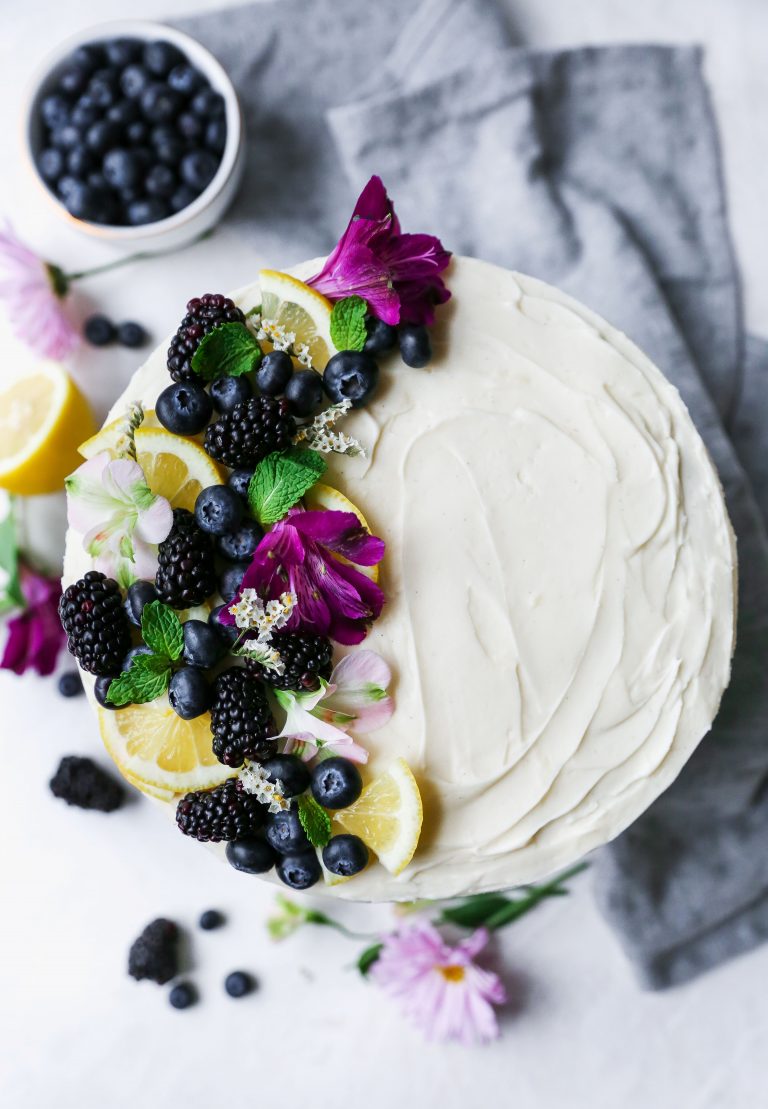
<point x="598" y="170"/>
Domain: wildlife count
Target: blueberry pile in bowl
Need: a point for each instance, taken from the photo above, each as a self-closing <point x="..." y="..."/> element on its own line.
<point x="131" y="132"/>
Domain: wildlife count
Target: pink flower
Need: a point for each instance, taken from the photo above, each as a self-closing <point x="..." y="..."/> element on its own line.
<point x="35" y="635"/>
<point x="398" y="275"/>
<point x="297" y="555"/>
<point x="441" y="988"/>
<point x="33" y="292"/>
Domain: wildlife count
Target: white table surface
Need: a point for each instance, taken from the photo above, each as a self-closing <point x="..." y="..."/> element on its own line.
<point x="75" y="888"/>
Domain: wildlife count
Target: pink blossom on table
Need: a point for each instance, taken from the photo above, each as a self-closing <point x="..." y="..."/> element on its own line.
<point x="35" y="635"/>
<point x="441" y="988"/>
<point x="398" y="275"/>
<point x="33" y="292"/>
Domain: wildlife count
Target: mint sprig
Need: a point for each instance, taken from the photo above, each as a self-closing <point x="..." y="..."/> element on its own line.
<point x="281" y="480"/>
<point x="230" y="350"/>
<point x="145" y="680"/>
<point x="314" y="820"/>
<point x="162" y="630"/>
<point x="348" y="330"/>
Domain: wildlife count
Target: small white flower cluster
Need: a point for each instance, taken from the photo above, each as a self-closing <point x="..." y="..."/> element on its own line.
<point x="271" y="794"/>
<point x="276" y="334"/>
<point x="125" y="442"/>
<point x="251" y="613"/>
<point x="301" y="351"/>
<point x="320" y="437"/>
<point x="261" y="652"/>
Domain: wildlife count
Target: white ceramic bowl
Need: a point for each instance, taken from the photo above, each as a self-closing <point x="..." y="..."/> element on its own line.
<point x="207" y="209"/>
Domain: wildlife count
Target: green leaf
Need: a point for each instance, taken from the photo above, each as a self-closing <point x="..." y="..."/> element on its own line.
<point x="348" y="330"/>
<point x="368" y="958"/>
<point x="314" y="820"/>
<point x="228" y="351"/>
<point x="10" y="593"/>
<point x="146" y="679"/>
<point x="280" y="480"/>
<point x="162" y="631"/>
<point x="475" y="911"/>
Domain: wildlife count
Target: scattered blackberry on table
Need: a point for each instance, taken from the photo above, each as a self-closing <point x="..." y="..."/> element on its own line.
<point x="251" y="855"/>
<point x="218" y="509"/>
<point x="415" y="345"/>
<point x="222" y="814"/>
<point x="183" y="995"/>
<point x="70" y="684"/>
<point x="203" y="315"/>
<point x="99" y="331"/>
<point x="250" y="432"/>
<point x="80" y="782"/>
<point x="290" y="771"/>
<point x="304" y="392"/>
<point x="241" y="720"/>
<point x="189" y="694"/>
<point x="92" y="615"/>
<point x="211" y="919"/>
<point x="351" y="375"/>
<point x="239" y="983"/>
<point x="155" y="953"/>
<point x="306" y="658"/>
<point x="186" y="574"/>
<point x="184" y="408"/>
<point x="131" y="335"/>
<point x="285" y="833"/>
<point x="345" y="855"/>
<point x="299" y="871"/>
<point x="336" y="783"/>
<point x="274" y="372"/>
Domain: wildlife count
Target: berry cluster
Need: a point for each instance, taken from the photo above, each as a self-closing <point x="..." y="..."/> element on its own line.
<point x="132" y="132"/>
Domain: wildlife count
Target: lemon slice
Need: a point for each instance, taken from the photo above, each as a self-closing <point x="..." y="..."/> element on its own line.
<point x="299" y="309"/>
<point x="158" y="794"/>
<point x="153" y="747"/>
<point x="104" y="440"/>
<point x="175" y="468"/>
<point x="323" y="496"/>
<point x="387" y="816"/>
<point x="43" y="416"/>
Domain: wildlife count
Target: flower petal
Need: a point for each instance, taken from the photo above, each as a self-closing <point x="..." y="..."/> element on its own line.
<point x="153" y="524"/>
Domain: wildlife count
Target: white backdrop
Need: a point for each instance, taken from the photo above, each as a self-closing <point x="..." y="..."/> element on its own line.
<point x="75" y="888"/>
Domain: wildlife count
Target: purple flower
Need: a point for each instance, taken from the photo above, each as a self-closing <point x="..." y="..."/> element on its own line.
<point x="441" y="988"/>
<point x="333" y="597"/>
<point x="398" y="275"/>
<point x="35" y="635"/>
<point x="33" y="292"/>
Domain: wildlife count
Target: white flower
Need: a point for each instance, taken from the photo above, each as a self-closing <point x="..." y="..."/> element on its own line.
<point x="319" y="436"/>
<point x="301" y="350"/>
<point x="266" y="656"/>
<point x="271" y="794"/>
<point x="250" y="613"/>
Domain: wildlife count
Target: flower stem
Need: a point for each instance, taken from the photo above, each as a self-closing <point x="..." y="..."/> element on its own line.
<point x="138" y="257"/>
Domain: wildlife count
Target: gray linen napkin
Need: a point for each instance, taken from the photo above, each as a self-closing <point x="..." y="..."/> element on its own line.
<point x="598" y="170"/>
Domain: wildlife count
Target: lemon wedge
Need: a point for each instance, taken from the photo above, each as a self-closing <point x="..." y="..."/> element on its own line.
<point x="104" y="439"/>
<point x="324" y="496"/>
<point x="299" y="309"/>
<point x="387" y="816"/>
<point x="43" y="416"/>
<point x="175" y="468"/>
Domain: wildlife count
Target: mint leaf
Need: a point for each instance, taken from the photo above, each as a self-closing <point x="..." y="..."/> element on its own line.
<point x="146" y="679"/>
<point x="228" y="351"/>
<point x="348" y="330"/>
<point x="368" y="958"/>
<point x="162" y="631"/>
<point x="314" y="820"/>
<point x="280" y="480"/>
<point x="10" y="587"/>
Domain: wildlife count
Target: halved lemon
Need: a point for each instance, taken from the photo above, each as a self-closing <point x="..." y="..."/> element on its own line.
<point x="104" y="439"/>
<point x="43" y="416"/>
<point x="299" y="309"/>
<point x="324" y="496"/>
<point x="387" y="816"/>
<point x="154" y="747"/>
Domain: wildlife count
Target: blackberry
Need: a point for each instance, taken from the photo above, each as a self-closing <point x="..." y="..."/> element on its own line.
<point x="251" y="431"/>
<point x="240" y="719"/>
<point x="186" y="574"/>
<point x="79" y="781"/>
<point x="306" y="657"/>
<point x="224" y="813"/>
<point x="203" y="315"/>
<point x="155" y="954"/>
<point x="98" y="633"/>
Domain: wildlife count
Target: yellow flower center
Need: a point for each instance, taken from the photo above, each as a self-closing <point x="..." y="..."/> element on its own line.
<point x="452" y="973"/>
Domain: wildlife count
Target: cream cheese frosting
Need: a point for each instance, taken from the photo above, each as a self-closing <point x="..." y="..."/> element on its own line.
<point x="560" y="581"/>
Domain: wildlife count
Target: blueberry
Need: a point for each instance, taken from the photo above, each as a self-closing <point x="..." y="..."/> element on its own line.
<point x="102" y="136"/>
<point x="226" y="392"/>
<point x="336" y="783"/>
<point x="85" y="113"/>
<point x="216" y="135"/>
<point x="251" y="855"/>
<point x="274" y="372"/>
<point x="170" y="152"/>
<point x="130" y="334"/>
<point x="182" y="198"/>
<point x="299" y="871"/>
<point x="209" y="104"/>
<point x="284" y="832"/>
<point x="415" y="345"/>
<point x="103" y="88"/>
<point x="161" y="57"/>
<point x="239" y="480"/>
<point x="160" y="181"/>
<point x="202" y="644"/>
<point x="190" y="126"/>
<point x="198" y="168"/>
<point x="89" y="56"/>
<point x="134" y="80"/>
<point x="305" y="392"/>
<point x="184" y="408"/>
<point x="80" y="161"/>
<point x="382" y="337"/>
<point x="124" y="112"/>
<point x="50" y="162"/>
<point x="137" y="133"/>
<point x="66" y="185"/>
<point x="218" y="510"/>
<point x="230" y="579"/>
<point x="159" y="104"/>
<point x="135" y="652"/>
<point x="186" y="79"/>
<point x="123" y="169"/>
<point x="289" y="770"/>
<point x="72" y="81"/>
<point x="55" y="110"/>
<point x="227" y="633"/>
<point x="147" y="211"/>
<point x="99" y="331"/>
<point x="139" y="594"/>
<point x="182" y="995"/>
<point x="238" y="983"/>
<point x="345" y="855"/>
<point x="189" y="694"/>
<point x="211" y="919"/>
<point x="240" y="545"/>
<point x="82" y="201"/>
<point x="122" y="52"/>
<point x="100" y="690"/>
<point x="70" y="684"/>
<point x="351" y="375"/>
<point x="97" y="181"/>
<point x="67" y="137"/>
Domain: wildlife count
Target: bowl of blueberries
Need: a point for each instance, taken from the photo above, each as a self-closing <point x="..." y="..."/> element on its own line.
<point x="134" y="132"/>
